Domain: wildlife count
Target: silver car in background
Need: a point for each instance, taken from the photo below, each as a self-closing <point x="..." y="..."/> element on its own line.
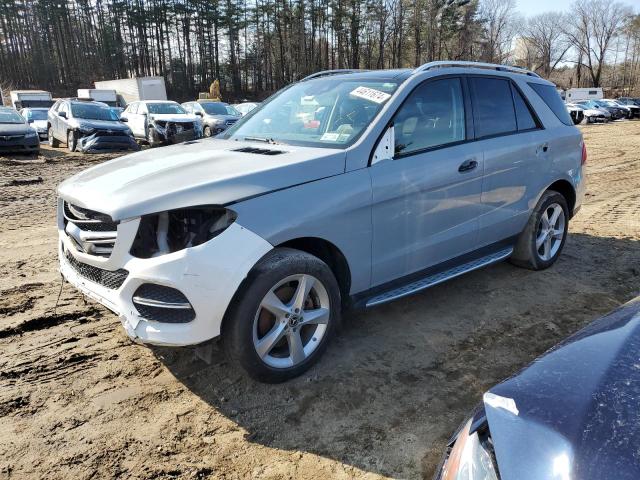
<point x="344" y="190"/>
<point x="216" y="116"/>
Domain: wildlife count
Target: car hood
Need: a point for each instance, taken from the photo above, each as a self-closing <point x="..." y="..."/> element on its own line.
<point x="207" y="171"/>
<point x="101" y="124"/>
<point x="14" y="128"/>
<point x="222" y="117"/>
<point x="574" y="412"/>
<point x="39" y="124"/>
<point x="170" y="117"/>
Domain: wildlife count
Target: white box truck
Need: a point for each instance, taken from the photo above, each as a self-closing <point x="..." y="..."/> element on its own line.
<point x="135" y="89"/>
<point x="578" y="94"/>
<point x="30" y="98"/>
<point x="110" y="97"/>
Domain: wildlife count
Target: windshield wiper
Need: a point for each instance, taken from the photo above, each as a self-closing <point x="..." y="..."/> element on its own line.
<point x="264" y="140"/>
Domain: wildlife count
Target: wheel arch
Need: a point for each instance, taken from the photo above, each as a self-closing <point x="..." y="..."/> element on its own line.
<point x="567" y="190"/>
<point x="329" y="254"/>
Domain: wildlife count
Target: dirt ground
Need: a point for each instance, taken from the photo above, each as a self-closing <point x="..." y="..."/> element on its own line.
<point x="79" y="400"/>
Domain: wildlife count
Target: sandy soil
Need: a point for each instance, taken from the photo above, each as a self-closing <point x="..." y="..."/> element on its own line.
<point x="79" y="400"/>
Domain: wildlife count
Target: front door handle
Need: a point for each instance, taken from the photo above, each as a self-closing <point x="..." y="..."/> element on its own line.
<point x="467" y="166"/>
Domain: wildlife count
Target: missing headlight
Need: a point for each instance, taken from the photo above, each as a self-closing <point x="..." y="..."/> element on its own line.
<point x="167" y="232"/>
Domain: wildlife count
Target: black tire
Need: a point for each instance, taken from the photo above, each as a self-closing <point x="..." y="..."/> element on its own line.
<point x="207" y="131"/>
<point x="245" y="311"/>
<point x="72" y="141"/>
<point x="525" y="253"/>
<point x="53" y="143"/>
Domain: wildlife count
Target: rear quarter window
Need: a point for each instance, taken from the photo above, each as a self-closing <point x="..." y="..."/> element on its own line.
<point x="550" y="96"/>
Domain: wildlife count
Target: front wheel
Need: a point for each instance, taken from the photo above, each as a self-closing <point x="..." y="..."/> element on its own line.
<point x="72" y="141"/>
<point x="207" y="131"/>
<point x="540" y="243"/>
<point x="283" y="316"/>
<point x="53" y="143"/>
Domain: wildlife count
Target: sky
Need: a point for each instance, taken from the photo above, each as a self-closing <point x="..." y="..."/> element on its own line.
<point x="533" y="7"/>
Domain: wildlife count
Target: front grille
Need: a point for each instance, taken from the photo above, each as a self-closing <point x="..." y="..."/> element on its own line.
<point x="11" y="138"/>
<point x="109" y="133"/>
<point x="106" y="278"/>
<point x="91" y="232"/>
<point x="162" y="304"/>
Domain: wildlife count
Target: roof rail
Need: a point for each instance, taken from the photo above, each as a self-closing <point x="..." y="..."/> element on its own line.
<point x="489" y="66"/>
<point x="326" y="73"/>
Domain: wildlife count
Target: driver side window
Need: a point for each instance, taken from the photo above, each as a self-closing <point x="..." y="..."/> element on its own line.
<point x="432" y="116"/>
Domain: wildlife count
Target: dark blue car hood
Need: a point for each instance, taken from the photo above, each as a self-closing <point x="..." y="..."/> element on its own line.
<point x="574" y="413"/>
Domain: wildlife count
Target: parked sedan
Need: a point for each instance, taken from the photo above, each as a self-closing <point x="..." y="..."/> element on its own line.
<point x="576" y="113"/>
<point x="592" y="115"/>
<point x="574" y="413"/>
<point x="16" y="135"/>
<point x="630" y="101"/>
<point x="87" y="126"/>
<point x="615" y="112"/>
<point x="633" y="111"/>
<point x="216" y="116"/>
<point x="160" y="122"/>
<point x="37" y="118"/>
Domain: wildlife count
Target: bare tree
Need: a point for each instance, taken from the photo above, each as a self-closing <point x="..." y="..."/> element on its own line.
<point x="548" y="41"/>
<point x="500" y="24"/>
<point x="592" y="26"/>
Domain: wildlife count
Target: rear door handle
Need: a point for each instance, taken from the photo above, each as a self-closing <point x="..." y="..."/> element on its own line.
<point x="467" y="165"/>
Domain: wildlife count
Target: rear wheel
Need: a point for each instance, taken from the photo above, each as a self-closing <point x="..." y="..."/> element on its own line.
<point x="283" y="317"/>
<point x="542" y="241"/>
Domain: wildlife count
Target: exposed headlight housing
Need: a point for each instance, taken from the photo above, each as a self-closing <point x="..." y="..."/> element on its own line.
<point x="174" y="230"/>
<point x="470" y="456"/>
<point x="31" y="134"/>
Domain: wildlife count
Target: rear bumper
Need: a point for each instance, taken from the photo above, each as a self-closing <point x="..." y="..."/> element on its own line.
<point x="95" y="144"/>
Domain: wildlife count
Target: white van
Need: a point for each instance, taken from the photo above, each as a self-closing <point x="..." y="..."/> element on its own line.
<point x="578" y="94"/>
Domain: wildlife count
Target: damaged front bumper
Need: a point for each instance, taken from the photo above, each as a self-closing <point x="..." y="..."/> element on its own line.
<point x="96" y="143"/>
<point x="205" y="278"/>
<point x="173" y="132"/>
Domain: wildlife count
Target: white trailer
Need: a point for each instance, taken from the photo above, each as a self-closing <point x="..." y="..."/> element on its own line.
<point x="30" y="98"/>
<point x="135" y="89"/>
<point x="110" y="97"/>
<point x="578" y="94"/>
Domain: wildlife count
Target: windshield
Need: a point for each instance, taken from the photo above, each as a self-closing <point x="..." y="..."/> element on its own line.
<point x="326" y="112"/>
<point x="214" y="108"/>
<point x="165" y="108"/>
<point x="34" y="115"/>
<point x="91" y="111"/>
<point x="10" y="116"/>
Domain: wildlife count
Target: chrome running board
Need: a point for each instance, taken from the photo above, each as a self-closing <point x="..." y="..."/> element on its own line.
<point x="440" y="277"/>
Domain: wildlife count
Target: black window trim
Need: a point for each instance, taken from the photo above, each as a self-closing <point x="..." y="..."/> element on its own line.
<point x="470" y="132"/>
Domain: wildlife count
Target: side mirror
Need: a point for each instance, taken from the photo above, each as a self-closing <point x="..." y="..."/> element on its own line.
<point x="144" y="114"/>
<point x="30" y="120"/>
<point x="199" y="114"/>
<point x="62" y="114"/>
<point x="124" y="119"/>
<point x="386" y="146"/>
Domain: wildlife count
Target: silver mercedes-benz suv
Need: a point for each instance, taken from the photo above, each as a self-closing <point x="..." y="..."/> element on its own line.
<point x="346" y="189"/>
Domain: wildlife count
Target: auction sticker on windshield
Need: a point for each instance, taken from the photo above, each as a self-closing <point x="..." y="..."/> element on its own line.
<point x="370" y="94"/>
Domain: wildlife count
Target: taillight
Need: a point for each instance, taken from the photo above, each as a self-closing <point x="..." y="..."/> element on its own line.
<point x="584" y="153"/>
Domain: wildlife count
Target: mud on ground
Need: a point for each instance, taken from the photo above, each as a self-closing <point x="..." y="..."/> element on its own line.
<point x="79" y="400"/>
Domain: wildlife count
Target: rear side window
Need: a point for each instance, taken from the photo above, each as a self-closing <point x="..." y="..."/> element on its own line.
<point x="493" y="111"/>
<point x="550" y="96"/>
<point x="523" y="113"/>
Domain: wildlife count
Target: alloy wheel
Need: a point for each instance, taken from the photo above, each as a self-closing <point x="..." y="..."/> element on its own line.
<point x="291" y="321"/>
<point x="551" y="231"/>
